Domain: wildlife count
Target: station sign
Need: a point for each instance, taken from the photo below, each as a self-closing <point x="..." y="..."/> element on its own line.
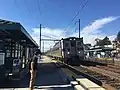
<point x="16" y="65"/>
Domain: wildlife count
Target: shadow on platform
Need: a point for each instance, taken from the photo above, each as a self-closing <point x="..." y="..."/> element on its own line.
<point x="47" y="75"/>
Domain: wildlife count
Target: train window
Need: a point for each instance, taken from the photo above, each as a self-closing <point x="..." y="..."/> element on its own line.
<point x="66" y="44"/>
<point x="81" y="48"/>
<point x="68" y="50"/>
<point x="73" y="44"/>
<point x="79" y="43"/>
<point x="78" y="49"/>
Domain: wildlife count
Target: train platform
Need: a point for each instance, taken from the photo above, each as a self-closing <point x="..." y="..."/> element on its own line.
<point x="48" y="77"/>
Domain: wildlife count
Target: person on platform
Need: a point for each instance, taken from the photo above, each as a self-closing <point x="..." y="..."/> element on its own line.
<point x="33" y="69"/>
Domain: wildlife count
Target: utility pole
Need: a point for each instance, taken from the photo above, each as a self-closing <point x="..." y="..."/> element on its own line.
<point x="40" y="40"/>
<point x="79" y="28"/>
<point x="43" y="47"/>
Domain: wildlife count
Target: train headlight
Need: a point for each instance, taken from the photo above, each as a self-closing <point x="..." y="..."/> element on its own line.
<point x="68" y="52"/>
<point x="79" y="52"/>
<point x="74" y="38"/>
<point x="70" y="39"/>
<point x="10" y="74"/>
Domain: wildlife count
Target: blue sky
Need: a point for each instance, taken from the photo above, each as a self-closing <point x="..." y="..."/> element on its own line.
<point x="57" y="14"/>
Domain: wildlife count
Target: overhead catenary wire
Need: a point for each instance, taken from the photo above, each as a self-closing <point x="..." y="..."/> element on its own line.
<point x="52" y="36"/>
<point x="86" y="1"/>
<point x="39" y="9"/>
<point x="25" y="8"/>
<point x="15" y="2"/>
<point x="48" y="36"/>
<point x="81" y="8"/>
<point x="76" y="29"/>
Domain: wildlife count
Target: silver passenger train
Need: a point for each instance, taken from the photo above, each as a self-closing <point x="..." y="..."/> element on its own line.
<point x="69" y="50"/>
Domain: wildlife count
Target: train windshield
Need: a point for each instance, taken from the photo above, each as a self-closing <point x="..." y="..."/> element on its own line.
<point x="79" y="43"/>
<point x="66" y="44"/>
<point x="73" y="43"/>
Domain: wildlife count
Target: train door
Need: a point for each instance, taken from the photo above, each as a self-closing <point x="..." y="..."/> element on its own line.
<point x="73" y="47"/>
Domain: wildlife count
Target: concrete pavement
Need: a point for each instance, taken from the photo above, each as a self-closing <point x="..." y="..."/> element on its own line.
<point x="48" y="78"/>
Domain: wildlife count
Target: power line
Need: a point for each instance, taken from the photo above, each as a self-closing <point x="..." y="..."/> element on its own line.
<point x="48" y="36"/>
<point x="82" y="7"/>
<point x="39" y="8"/>
<point x="76" y="22"/>
<point x="25" y="8"/>
<point x="86" y="1"/>
<point x="53" y="36"/>
<point x="50" y="39"/>
<point x="76" y="29"/>
<point x="15" y="2"/>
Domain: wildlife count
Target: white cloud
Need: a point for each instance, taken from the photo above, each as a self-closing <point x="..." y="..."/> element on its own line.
<point x="89" y="33"/>
<point x="112" y="37"/>
<point x="92" y="31"/>
<point x="97" y="24"/>
<point x="53" y="33"/>
<point x="48" y="33"/>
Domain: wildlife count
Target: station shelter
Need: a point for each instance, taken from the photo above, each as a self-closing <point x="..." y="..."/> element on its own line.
<point x="16" y="47"/>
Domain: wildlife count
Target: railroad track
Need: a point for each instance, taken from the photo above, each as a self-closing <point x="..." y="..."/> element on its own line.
<point x="114" y="66"/>
<point x="81" y="73"/>
<point x="102" y="75"/>
<point x="95" y="75"/>
<point x="110" y="68"/>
